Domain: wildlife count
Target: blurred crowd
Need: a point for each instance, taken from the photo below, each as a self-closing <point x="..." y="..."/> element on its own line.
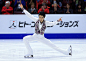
<point x="48" y="6"/>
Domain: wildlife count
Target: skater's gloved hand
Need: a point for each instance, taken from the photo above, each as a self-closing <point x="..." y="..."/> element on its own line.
<point x="59" y="19"/>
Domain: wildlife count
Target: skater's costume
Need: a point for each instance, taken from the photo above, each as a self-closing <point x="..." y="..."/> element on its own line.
<point x="39" y="34"/>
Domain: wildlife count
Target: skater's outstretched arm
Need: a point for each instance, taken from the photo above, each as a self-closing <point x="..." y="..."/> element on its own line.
<point x="53" y="23"/>
<point x="28" y="14"/>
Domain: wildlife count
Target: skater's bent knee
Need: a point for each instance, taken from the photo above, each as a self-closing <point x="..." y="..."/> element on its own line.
<point x="26" y="38"/>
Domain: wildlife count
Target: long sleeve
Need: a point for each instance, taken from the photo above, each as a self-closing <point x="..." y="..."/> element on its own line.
<point x="46" y="11"/>
<point x="40" y="10"/>
<point x="30" y="16"/>
<point x="10" y="10"/>
<point x="3" y="10"/>
<point x="51" y="23"/>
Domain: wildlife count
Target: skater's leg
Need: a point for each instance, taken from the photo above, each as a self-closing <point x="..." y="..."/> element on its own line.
<point x="26" y="40"/>
<point x="50" y="44"/>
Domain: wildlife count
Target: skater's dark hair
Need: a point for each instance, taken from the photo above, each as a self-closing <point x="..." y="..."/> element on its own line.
<point x="42" y="13"/>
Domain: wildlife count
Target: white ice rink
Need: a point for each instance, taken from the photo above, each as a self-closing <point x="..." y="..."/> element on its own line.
<point x="14" y="50"/>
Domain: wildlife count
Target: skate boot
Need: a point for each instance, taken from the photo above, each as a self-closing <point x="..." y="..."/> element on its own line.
<point x="28" y="56"/>
<point x="70" y="50"/>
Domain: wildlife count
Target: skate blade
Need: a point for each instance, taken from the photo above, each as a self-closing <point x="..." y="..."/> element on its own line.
<point x="70" y="50"/>
<point x="27" y="57"/>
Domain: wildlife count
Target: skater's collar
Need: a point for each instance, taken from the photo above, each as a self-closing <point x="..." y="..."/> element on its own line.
<point x="41" y="22"/>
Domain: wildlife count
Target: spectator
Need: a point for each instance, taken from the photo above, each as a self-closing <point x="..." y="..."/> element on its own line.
<point x="7" y="9"/>
<point x="17" y="3"/>
<point x="32" y="10"/>
<point x="55" y="1"/>
<point x="59" y="4"/>
<point x="44" y="1"/>
<point x="55" y="9"/>
<point x="29" y="2"/>
<point x="68" y="10"/>
<point x="79" y="9"/>
<point x="1" y="5"/>
<point x="77" y="1"/>
<point x="11" y="2"/>
<point x="64" y="3"/>
<point x="44" y="8"/>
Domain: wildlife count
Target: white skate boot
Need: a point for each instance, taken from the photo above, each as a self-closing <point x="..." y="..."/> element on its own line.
<point x="70" y="50"/>
<point x="28" y="56"/>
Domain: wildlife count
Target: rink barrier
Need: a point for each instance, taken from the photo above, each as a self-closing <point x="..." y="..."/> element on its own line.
<point x="73" y="26"/>
<point x="47" y="35"/>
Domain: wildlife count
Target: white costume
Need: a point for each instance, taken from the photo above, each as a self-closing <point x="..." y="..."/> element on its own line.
<point x="39" y="37"/>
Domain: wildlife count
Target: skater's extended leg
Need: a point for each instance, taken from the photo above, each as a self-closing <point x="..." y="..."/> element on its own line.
<point x="50" y="44"/>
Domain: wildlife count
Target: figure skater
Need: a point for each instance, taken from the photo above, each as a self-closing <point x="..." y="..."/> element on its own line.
<point x="40" y="26"/>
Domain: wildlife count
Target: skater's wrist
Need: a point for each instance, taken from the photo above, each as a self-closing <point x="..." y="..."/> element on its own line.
<point x="22" y="8"/>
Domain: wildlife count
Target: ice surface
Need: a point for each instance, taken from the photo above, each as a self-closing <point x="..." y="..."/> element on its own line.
<point x="14" y="50"/>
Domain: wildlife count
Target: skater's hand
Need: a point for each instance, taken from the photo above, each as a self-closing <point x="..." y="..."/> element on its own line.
<point x="21" y="6"/>
<point x="60" y="19"/>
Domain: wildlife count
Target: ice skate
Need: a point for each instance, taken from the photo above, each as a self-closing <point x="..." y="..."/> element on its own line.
<point x="70" y="50"/>
<point x="28" y="56"/>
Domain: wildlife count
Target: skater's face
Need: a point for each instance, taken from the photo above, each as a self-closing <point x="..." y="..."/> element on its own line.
<point x="41" y="18"/>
